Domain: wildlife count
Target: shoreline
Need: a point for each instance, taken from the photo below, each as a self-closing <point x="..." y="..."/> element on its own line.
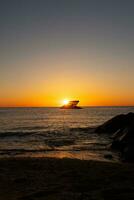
<point x="103" y="155"/>
<point x="65" y="179"/>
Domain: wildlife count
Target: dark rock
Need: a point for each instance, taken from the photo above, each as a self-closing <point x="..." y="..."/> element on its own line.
<point x="128" y="154"/>
<point x="108" y="156"/>
<point x="124" y="136"/>
<point x="122" y="127"/>
<point x="124" y="142"/>
<point x="116" y="123"/>
<point x="116" y="134"/>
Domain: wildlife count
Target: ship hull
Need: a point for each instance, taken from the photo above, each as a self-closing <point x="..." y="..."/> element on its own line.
<point x="69" y="107"/>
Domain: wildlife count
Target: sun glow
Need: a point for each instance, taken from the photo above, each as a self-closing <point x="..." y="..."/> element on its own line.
<point x="65" y="101"/>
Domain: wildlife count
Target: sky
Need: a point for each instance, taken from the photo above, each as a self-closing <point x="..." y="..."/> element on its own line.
<point x="52" y="50"/>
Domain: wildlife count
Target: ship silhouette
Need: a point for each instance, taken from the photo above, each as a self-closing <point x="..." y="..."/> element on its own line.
<point x="71" y="105"/>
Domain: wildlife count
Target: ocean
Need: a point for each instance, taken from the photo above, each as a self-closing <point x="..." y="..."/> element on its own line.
<point x="54" y="132"/>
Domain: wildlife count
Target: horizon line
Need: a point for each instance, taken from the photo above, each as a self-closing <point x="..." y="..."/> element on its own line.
<point x="59" y="106"/>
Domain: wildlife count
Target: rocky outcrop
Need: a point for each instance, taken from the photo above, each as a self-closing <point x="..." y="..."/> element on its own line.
<point x="116" y="123"/>
<point x="124" y="142"/>
<point x="122" y="129"/>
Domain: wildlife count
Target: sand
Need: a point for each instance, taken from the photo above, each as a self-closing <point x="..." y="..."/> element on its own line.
<point x="66" y="179"/>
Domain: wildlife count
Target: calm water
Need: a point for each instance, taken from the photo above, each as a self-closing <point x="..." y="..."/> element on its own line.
<point x="55" y="132"/>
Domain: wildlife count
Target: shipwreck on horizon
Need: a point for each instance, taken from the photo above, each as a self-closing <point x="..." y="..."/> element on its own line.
<point x="71" y="105"/>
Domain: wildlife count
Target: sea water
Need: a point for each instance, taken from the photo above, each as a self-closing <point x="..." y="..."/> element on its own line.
<point x="55" y="132"/>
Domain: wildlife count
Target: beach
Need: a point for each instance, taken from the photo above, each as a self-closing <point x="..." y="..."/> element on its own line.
<point x="66" y="179"/>
<point x="66" y="162"/>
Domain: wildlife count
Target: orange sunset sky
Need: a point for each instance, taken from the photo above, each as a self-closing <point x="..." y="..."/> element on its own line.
<point x="51" y="51"/>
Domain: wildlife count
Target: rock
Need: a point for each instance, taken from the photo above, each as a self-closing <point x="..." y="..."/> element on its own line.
<point x="124" y="142"/>
<point x="118" y="139"/>
<point x="122" y="127"/>
<point x="127" y="154"/>
<point x="125" y="136"/>
<point x="116" y="123"/>
<point x="108" y="156"/>
<point x="117" y="134"/>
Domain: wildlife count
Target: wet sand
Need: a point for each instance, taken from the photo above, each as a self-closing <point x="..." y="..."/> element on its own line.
<point x="66" y="179"/>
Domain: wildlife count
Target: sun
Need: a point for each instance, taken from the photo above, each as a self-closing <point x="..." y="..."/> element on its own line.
<point x="65" y="101"/>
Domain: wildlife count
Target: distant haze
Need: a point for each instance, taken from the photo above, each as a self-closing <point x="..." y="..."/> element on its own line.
<point x="52" y="50"/>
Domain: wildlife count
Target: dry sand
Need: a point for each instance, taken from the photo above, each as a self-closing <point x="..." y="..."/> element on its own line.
<point x="66" y="179"/>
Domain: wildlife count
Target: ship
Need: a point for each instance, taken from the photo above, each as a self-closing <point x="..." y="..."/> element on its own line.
<point x="71" y="105"/>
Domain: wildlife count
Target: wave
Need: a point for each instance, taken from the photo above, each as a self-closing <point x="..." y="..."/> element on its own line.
<point x="39" y="130"/>
<point x="42" y="134"/>
<point x="22" y="150"/>
<point x="83" y="129"/>
<point x="15" y="134"/>
<point x="29" y="128"/>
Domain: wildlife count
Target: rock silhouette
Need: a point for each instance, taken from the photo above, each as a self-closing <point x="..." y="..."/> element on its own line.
<point x="116" y="123"/>
<point x="122" y="129"/>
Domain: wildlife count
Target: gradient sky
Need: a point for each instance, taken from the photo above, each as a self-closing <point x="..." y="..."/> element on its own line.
<point x="76" y="49"/>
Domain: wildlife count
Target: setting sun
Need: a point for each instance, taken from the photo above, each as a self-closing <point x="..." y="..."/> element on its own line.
<point x="65" y="101"/>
